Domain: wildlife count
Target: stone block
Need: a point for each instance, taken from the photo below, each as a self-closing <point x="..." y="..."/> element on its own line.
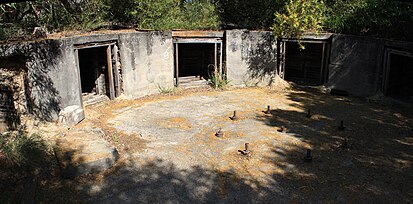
<point x="71" y="115"/>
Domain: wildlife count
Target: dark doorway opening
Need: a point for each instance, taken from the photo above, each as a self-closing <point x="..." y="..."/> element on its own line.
<point x="305" y="66"/>
<point x="195" y="59"/>
<point x="400" y="76"/>
<point x="100" y="72"/>
<point x="93" y="71"/>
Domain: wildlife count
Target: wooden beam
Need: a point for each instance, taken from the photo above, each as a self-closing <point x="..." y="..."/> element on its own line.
<point x="197" y="40"/>
<point x="198" y="34"/>
<point x="220" y="58"/>
<point x="110" y="73"/>
<point x="117" y="75"/>
<point x="323" y="64"/>
<point x="79" y="79"/>
<point x="176" y="64"/>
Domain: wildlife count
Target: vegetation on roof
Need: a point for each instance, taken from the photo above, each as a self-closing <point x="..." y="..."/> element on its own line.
<point x="379" y="18"/>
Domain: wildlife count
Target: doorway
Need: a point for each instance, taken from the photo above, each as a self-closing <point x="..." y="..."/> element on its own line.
<point x="197" y="60"/>
<point x="306" y="64"/>
<point x="399" y="75"/>
<point x="100" y="71"/>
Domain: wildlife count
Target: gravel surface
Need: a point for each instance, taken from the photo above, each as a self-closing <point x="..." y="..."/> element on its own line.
<point x="171" y="154"/>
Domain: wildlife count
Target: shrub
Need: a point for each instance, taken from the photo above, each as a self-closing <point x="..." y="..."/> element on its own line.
<point x="22" y="150"/>
<point x="298" y="17"/>
<point x="219" y="81"/>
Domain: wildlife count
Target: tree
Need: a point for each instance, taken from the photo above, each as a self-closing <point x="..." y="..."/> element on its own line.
<point x="298" y="17"/>
<point x="383" y="18"/>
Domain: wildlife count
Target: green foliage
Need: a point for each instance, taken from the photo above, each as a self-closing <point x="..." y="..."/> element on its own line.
<point x="298" y="17"/>
<point x="19" y="19"/>
<point x="384" y="18"/>
<point x="166" y="90"/>
<point x="173" y="14"/>
<point x="219" y="81"/>
<point x="23" y="150"/>
<point x="250" y="14"/>
<point x="200" y="14"/>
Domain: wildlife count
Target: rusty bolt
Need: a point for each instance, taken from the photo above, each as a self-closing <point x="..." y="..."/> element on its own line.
<point x="268" y="111"/>
<point x="308" y="157"/>
<point x="219" y="133"/>
<point x="341" y="127"/>
<point x="234" y="117"/>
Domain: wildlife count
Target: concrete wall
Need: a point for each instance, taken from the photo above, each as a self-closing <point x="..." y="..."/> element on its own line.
<point x="250" y="57"/>
<point x="147" y="62"/>
<point x="50" y="66"/>
<point x="356" y="63"/>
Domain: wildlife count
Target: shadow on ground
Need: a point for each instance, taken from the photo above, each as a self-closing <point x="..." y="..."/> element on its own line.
<point x="376" y="166"/>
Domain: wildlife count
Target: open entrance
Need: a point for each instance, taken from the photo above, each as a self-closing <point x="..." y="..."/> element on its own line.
<point x="304" y="66"/>
<point x="399" y="71"/>
<point x="100" y="72"/>
<point x="15" y="100"/>
<point x="197" y="60"/>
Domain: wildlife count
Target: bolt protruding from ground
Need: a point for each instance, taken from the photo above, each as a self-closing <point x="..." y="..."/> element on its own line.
<point x="345" y="144"/>
<point x="246" y="151"/>
<point x="308" y="113"/>
<point x="341" y="127"/>
<point x="268" y="111"/>
<point x="234" y="117"/>
<point x="219" y="133"/>
<point x="282" y="129"/>
<point x="308" y="157"/>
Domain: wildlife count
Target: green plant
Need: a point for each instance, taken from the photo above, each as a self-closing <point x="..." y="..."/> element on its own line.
<point x="23" y="150"/>
<point x="298" y="17"/>
<point x="115" y="138"/>
<point x="385" y="18"/>
<point x="219" y="81"/>
<point x="165" y="90"/>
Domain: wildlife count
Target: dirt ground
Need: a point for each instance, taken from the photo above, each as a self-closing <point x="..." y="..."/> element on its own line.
<point x="170" y="153"/>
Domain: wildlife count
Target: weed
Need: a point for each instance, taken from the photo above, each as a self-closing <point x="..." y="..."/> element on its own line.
<point x="115" y="138"/>
<point x="219" y="81"/>
<point x="23" y="150"/>
<point x="166" y="90"/>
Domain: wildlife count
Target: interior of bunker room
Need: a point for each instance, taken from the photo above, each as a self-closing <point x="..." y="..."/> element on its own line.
<point x="100" y="71"/>
<point x="198" y="55"/>
<point x="305" y="61"/>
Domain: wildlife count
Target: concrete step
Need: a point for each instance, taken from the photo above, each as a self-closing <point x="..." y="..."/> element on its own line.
<point x="92" y="99"/>
<point x="194" y="84"/>
<point x="189" y="79"/>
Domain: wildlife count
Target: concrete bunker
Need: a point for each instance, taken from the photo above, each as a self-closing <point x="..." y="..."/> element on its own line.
<point x="198" y="56"/>
<point x="99" y="68"/>
<point x="398" y="71"/>
<point x="305" y="65"/>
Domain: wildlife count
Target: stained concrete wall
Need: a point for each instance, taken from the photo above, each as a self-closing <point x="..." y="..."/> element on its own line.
<point x="250" y="57"/>
<point x="52" y="77"/>
<point x="356" y="63"/>
<point x="147" y="62"/>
